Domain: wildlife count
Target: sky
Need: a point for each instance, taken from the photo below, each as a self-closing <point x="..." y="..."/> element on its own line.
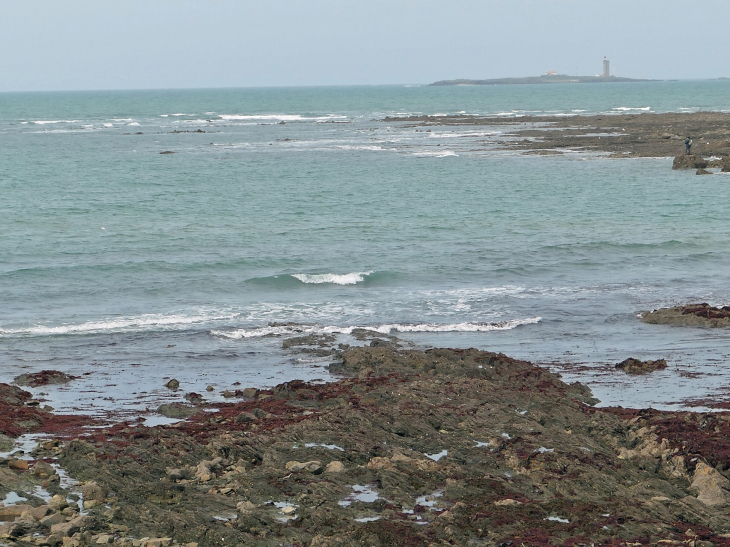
<point x="144" y="44"/>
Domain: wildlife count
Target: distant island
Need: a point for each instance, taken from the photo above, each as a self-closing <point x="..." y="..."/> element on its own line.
<point x="544" y="79"/>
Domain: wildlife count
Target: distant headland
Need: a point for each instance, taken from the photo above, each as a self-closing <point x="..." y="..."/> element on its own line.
<point x="549" y="78"/>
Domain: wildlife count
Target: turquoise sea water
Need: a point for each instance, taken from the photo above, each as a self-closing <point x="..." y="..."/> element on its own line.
<point x="254" y="229"/>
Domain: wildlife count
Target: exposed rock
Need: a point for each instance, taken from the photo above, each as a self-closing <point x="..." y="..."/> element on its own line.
<point x="509" y="502"/>
<point x="193" y="397"/>
<point x="58" y="502"/>
<point x="311" y="467"/>
<point x="76" y="525"/>
<point x="167" y="152"/>
<point x="635" y="366"/>
<point x="93" y="491"/>
<point x="172" y="384"/>
<point x="703" y="172"/>
<point x="692" y="315"/>
<point x="51" y="520"/>
<point x="43" y="378"/>
<point x="11" y="512"/>
<point x="177" y="410"/>
<point x="18" y="465"/>
<point x="726" y="165"/>
<point x="712" y="487"/>
<point x="12" y="395"/>
<point x="691" y="161"/>
<point x="334" y="466"/>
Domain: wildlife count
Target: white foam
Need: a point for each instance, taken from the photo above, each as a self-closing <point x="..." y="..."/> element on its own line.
<point x="444" y="154"/>
<point x="121" y="324"/>
<point x="338" y="279"/>
<point x="46" y="122"/>
<point x="133" y="123"/>
<point x="277" y="117"/>
<point x="108" y="124"/>
<point x="281" y="330"/>
<point x="558" y="519"/>
<point x="629" y="108"/>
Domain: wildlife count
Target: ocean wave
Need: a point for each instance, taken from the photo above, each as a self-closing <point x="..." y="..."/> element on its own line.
<point x="444" y="154"/>
<point x="47" y="122"/>
<point x="277" y="117"/>
<point x="629" y="108"/>
<point x="288" y="330"/>
<point x="337" y="279"/>
<point x="121" y="324"/>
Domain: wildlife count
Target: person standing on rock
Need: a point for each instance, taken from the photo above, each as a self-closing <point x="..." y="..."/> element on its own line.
<point x="688" y="145"/>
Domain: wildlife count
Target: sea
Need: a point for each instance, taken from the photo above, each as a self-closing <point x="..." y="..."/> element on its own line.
<point x="284" y="212"/>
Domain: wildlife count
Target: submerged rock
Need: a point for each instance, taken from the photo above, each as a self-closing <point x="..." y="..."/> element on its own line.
<point x="43" y="378"/>
<point x="635" y="366"/>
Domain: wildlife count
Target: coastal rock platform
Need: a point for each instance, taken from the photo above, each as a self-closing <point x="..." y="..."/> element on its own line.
<point x="616" y="135"/>
<point x="409" y="447"/>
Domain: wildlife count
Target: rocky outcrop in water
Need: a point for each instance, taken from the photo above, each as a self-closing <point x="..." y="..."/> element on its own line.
<point x="691" y="161"/>
<point x="636" y="366"/>
<point x="692" y="315"/>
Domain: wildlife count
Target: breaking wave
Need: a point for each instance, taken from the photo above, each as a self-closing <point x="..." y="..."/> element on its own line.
<point x="288" y="329"/>
<point x="122" y="324"/>
<point x="338" y="279"/>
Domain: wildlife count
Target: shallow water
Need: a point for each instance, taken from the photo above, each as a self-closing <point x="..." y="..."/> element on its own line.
<point x="137" y="266"/>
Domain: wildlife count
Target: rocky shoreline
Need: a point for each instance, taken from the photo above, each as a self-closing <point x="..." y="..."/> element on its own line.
<point x="619" y="135"/>
<point x="409" y="447"/>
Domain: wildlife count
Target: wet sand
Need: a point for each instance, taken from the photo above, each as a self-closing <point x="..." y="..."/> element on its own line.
<point x="621" y="135"/>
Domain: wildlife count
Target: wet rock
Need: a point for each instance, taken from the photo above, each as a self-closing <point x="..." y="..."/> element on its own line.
<point x="691" y="315"/>
<point x="43" y="378"/>
<point x="692" y="161"/>
<point x="193" y="397"/>
<point x="177" y="410"/>
<point x="167" y="152"/>
<point x="172" y="384"/>
<point x="703" y="172"/>
<point x="635" y="366"/>
<point x="250" y="392"/>
<point x="311" y="467"/>
<point x="13" y="395"/>
<point x="726" y="165"/>
<point x="209" y="388"/>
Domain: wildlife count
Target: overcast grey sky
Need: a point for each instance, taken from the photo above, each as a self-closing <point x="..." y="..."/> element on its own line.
<point x="122" y="44"/>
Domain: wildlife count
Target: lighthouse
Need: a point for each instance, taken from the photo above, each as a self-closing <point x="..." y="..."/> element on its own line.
<point x="606" y="68"/>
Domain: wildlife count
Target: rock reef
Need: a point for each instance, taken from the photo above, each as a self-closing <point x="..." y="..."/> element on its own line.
<point x="438" y="447"/>
<point x="692" y="315"/>
<point x="617" y="135"/>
